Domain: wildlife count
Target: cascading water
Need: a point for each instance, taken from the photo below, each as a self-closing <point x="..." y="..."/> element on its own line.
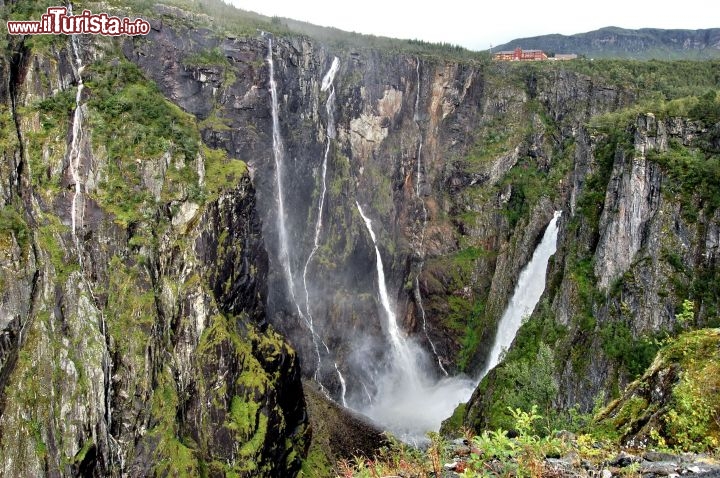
<point x="77" y="213"/>
<point x="416" y="118"/>
<point x="74" y="156"/>
<point x="407" y="402"/>
<point x="327" y="83"/>
<point x="400" y="346"/>
<point x="418" y="299"/>
<point x="417" y="294"/>
<point x="278" y="155"/>
<point x="400" y="395"/>
<point x="284" y="256"/>
<point x="528" y="290"/>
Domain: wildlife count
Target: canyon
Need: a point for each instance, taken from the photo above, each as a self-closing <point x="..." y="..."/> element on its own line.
<point x="201" y="223"/>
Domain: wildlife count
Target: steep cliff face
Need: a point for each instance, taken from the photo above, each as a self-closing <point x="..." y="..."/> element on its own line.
<point x="458" y="164"/>
<point x="133" y="284"/>
<point x="136" y="280"/>
<point x="638" y="242"/>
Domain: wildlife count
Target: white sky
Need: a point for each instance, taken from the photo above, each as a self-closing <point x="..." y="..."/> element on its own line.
<point x="475" y="24"/>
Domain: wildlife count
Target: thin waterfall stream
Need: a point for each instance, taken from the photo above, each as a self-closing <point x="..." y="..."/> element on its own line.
<point x="284" y="248"/>
<point x="279" y="157"/>
<point x="416" y="291"/>
<point x="327" y="84"/>
<point x="77" y="218"/>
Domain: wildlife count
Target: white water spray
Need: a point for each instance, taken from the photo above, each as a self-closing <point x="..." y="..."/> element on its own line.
<point x="408" y="403"/>
<point x="77" y="217"/>
<point x="327" y="80"/>
<point x="343" y="386"/>
<point x="278" y="155"/>
<point x="418" y="299"/>
<point x="528" y="290"/>
<point x="74" y="155"/>
<point x="416" y="118"/>
<point x="400" y="346"/>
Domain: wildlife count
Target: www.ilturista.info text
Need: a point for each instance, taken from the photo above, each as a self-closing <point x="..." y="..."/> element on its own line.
<point x="57" y="21"/>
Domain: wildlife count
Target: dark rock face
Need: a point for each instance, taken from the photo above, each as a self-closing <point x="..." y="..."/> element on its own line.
<point x="408" y="131"/>
<point x="339" y="433"/>
<point x="134" y="330"/>
<point x="151" y="327"/>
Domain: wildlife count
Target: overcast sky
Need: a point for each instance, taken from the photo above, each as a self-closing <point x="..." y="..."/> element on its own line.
<point x="476" y="24"/>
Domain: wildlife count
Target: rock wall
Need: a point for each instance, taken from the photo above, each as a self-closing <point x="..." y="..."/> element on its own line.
<point x="633" y="249"/>
<point x="424" y="143"/>
<point x="137" y="342"/>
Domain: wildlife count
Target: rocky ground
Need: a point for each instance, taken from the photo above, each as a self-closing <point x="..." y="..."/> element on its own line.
<point x="648" y="464"/>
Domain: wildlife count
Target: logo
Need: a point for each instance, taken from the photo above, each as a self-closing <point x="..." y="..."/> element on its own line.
<point x="57" y="21"/>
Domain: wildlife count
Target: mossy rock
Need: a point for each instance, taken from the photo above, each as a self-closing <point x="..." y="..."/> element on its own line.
<point x="674" y="404"/>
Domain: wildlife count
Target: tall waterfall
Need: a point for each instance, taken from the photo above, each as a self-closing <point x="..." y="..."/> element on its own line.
<point x="400" y="346"/>
<point x="416" y="291"/>
<point x="408" y="402"/>
<point x="327" y="83"/>
<point x="77" y="213"/>
<point x="74" y="155"/>
<point x="528" y="290"/>
<point x="278" y="155"/>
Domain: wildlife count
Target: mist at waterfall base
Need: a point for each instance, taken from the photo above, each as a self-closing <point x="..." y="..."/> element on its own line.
<point x="408" y="402"/>
<point x="400" y="387"/>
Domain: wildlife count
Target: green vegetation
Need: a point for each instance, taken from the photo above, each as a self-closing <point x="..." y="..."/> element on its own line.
<point x="172" y="456"/>
<point x="462" y="312"/>
<point x="221" y="172"/>
<point x="688" y="420"/>
<point x="12" y="225"/>
<point x="497" y="452"/>
<point x="50" y="238"/>
<point x="226" y="20"/>
<point x="214" y="56"/>
<point x="133" y="123"/>
<point x="693" y="176"/>
<point x="521" y="383"/>
<point x="654" y="79"/>
<point x="632" y="354"/>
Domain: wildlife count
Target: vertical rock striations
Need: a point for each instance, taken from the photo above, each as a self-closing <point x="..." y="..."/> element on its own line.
<point x="134" y="342"/>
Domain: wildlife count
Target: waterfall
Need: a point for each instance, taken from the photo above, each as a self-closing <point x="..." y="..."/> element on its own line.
<point x="528" y="290"/>
<point x="399" y="345"/>
<point x="343" y="386"/>
<point x="416" y="292"/>
<point x="77" y="213"/>
<point x="74" y="155"/>
<point x="408" y="403"/>
<point x="278" y="155"/>
<point x="416" y="118"/>
<point x="327" y="82"/>
<point x="418" y="299"/>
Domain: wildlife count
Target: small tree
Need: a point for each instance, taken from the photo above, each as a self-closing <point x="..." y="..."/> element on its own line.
<point x="685" y="317"/>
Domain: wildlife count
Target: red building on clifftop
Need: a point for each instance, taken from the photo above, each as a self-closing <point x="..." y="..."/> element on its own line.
<point x="518" y="54"/>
